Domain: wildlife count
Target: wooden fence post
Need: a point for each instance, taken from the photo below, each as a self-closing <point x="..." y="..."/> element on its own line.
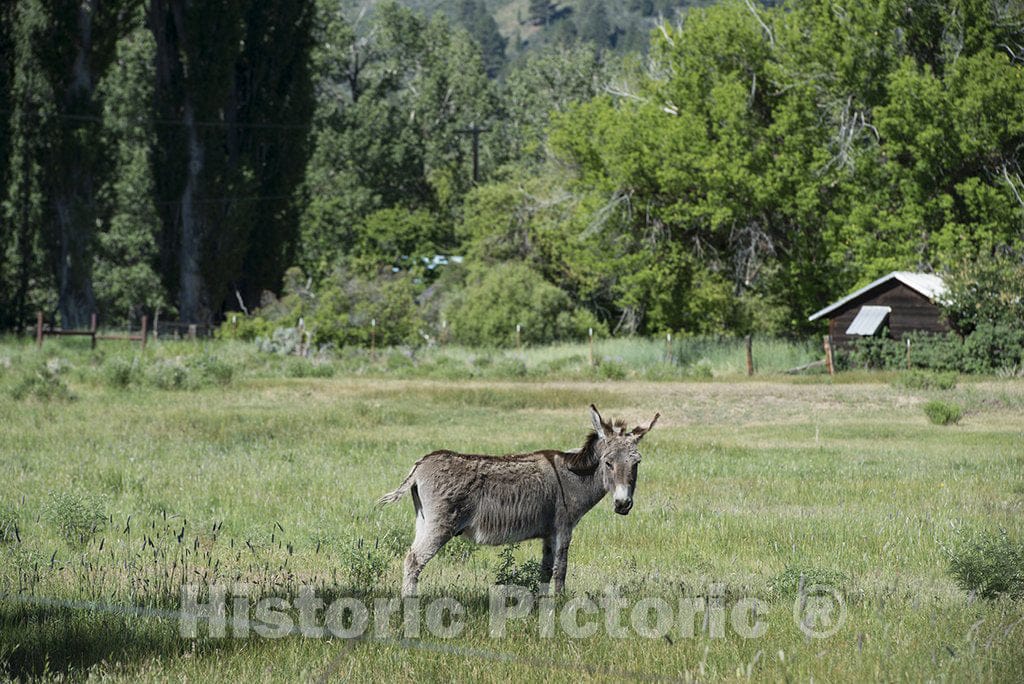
<point x="750" y="356"/>
<point x="145" y="324"/>
<point x="908" y="353"/>
<point x="92" y="329"/>
<point x="39" y="330"/>
<point x="373" y="338"/>
<point x="828" y="356"/>
<point x="192" y="331"/>
<point x="668" y="347"/>
<point x="591" y="333"/>
<point x="519" y="342"/>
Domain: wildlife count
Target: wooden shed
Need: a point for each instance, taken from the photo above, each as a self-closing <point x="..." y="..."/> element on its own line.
<point x="901" y="302"/>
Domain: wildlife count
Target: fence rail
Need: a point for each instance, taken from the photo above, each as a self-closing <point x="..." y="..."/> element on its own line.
<point x="42" y="331"/>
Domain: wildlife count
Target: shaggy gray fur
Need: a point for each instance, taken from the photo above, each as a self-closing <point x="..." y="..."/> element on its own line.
<point x="506" y="499"/>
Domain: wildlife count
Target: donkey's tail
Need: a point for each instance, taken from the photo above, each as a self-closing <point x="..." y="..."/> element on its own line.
<point x="394" y="496"/>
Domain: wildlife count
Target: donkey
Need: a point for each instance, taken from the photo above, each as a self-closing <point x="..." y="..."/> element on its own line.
<point x="506" y="499"/>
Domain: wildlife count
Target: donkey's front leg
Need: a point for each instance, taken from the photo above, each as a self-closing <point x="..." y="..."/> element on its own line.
<point x="562" y="541"/>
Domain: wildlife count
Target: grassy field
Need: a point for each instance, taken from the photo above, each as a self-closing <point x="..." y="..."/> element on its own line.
<point x="197" y="463"/>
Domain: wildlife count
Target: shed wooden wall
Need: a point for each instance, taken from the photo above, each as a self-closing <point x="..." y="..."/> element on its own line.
<point x="911" y="311"/>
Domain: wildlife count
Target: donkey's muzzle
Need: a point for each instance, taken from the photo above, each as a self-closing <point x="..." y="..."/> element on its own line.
<point x="623" y="506"/>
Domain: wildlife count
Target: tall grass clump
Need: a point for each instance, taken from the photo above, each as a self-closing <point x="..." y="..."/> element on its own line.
<point x="366" y="563"/>
<point x="77" y="516"/>
<point x="8" y="524"/>
<point x="119" y="373"/>
<point x="925" y="380"/>
<point x="43" y="382"/>
<point x="988" y="564"/>
<point x="943" y="412"/>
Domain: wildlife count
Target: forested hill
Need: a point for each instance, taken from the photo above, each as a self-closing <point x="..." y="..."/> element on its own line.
<point x="744" y="167"/>
<point x="507" y="29"/>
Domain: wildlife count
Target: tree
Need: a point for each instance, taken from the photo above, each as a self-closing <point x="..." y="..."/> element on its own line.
<point x="126" y="278"/>
<point x="25" y="281"/>
<point x="478" y="21"/>
<point x="233" y="76"/>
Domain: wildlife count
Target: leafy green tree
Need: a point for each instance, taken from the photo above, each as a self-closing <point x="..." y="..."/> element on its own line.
<point x="126" y="279"/>
<point x="25" y="280"/>
<point x="474" y="16"/>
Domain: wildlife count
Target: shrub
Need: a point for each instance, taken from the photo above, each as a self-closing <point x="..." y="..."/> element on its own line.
<point x="247" y="328"/>
<point x="701" y="370"/>
<point x="994" y="346"/>
<point x="212" y="370"/>
<point x="612" y="370"/>
<point x="923" y="380"/>
<point x="77" y="516"/>
<point x="347" y="306"/>
<point x="508" y="571"/>
<point x="487" y="311"/>
<point x="988" y="564"/>
<point x="365" y="563"/>
<point x="169" y="374"/>
<point x="943" y="412"/>
<point x="43" y="382"/>
<point x="119" y="372"/>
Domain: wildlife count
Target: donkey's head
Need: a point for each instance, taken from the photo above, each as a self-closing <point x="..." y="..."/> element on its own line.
<point x="618" y="458"/>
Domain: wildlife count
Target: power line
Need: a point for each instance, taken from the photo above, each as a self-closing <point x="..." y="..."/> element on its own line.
<point x="96" y="118"/>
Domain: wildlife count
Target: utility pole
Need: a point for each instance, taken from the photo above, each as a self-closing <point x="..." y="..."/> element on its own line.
<point x="475" y="131"/>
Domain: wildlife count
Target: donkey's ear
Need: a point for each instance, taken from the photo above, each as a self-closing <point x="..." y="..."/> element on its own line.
<point x="600" y="427"/>
<point x="639" y="431"/>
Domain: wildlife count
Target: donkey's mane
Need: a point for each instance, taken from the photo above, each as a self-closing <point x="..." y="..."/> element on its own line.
<point x="585" y="459"/>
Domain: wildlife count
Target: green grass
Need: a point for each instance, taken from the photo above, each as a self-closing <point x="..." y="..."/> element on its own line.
<point x="268" y="475"/>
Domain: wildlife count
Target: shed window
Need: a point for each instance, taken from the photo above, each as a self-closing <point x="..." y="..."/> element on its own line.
<point x="869" y="319"/>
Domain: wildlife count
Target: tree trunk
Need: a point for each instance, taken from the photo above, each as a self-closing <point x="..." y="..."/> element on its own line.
<point x="192" y="307"/>
<point x="74" y="208"/>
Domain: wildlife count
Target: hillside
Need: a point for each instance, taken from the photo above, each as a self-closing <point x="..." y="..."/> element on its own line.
<point x="526" y="24"/>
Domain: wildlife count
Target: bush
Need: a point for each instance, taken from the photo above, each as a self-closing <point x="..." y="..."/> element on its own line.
<point x="923" y="380"/>
<point x="169" y="374"/>
<point x="119" y="372"/>
<point x="612" y="370"/>
<point x="246" y="328"/>
<point x="487" y="311"/>
<point x="943" y="412"/>
<point x="212" y="370"/>
<point x="43" y="382"/>
<point x="76" y="516"/>
<point x="994" y="346"/>
<point x="508" y="571"/>
<point x="347" y="306"/>
<point x="365" y="563"/>
<point x="990" y="565"/>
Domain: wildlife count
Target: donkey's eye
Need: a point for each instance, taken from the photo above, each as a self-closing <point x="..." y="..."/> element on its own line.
<point x="608" y="465"/>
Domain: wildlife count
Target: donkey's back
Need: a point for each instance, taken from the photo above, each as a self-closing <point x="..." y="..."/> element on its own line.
<point x="489" y="499"/>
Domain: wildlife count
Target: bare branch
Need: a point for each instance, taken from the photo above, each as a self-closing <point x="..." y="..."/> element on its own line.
<point x="767" y="31"/>
<point x="1013" y="185"/>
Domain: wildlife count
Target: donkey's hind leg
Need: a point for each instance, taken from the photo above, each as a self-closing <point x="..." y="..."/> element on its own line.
<point x="430" y="537"/>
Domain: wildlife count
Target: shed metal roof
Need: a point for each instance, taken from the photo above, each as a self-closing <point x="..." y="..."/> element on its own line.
<point x="868" y="320"/>
<point x="927" y="284"/>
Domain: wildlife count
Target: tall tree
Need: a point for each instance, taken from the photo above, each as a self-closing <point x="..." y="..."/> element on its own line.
<point x="233" y="77"/>
<point x="25" y="280"/>
<point x="125" y="271"/>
